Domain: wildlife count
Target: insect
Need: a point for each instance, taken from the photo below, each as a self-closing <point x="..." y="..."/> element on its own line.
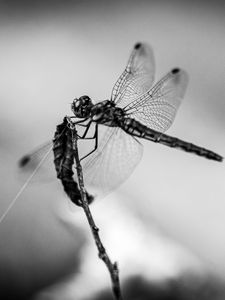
<point x="136" y="109"/>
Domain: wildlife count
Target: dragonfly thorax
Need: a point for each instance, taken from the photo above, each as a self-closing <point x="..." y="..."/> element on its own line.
<point x="82" y="107"/>
<point x="106" y="112"/>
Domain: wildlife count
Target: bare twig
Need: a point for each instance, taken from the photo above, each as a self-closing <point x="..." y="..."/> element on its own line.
<point x="112" y="267"/>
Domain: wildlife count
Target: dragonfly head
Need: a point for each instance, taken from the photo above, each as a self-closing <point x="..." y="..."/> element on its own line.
<point x="81" y="107"/>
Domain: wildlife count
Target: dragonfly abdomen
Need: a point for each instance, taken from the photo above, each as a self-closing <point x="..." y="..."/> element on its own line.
<point x="64" y="160"/>
<point x="188" y="147"/>
<point x="137" y="129"/>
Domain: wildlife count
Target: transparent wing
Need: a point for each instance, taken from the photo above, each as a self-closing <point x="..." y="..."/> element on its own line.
<point x="138" y="76"/>
<point x="158" y="106"/>
<point x="111" y="164"/>
<point x="46" y="170"/>
<point x="42" y="156"/>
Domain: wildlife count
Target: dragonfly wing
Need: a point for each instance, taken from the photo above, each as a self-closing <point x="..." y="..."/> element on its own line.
<point x="40" y="159"/>
<point x="138" y="76"/>
<point x="111" y="164"/>
<point x="158" y="106"/>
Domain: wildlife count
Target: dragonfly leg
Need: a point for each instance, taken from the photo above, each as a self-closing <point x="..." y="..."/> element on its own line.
<point x="83" y="136"/>
<point x="72" y="124"/>
<point x="82" y="121"/>
<point x="95" y="136"/>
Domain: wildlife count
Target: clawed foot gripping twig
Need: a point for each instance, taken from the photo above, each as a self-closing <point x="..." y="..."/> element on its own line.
<point x="112" y="267"/>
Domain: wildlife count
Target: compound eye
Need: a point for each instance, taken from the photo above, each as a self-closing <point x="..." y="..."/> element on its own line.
<point x="85" y="99"/>
<point x="77" y="103"/>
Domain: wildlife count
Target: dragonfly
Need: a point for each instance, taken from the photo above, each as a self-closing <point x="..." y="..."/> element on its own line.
<point x="137" y="109"/>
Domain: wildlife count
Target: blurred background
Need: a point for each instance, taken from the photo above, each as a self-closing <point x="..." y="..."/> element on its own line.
<point x="166" y="225"/>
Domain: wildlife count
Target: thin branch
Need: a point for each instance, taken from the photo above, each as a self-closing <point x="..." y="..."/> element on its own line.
<point x="112" y="267"/>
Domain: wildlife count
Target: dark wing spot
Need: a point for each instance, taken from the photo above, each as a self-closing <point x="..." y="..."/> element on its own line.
<point x="137" y="46"/>
<point x="175" y="71"/>
<point x="24" y="160"/>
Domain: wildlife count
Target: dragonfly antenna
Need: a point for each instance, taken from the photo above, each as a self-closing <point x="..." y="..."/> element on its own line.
<point x="24" y="186"/>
